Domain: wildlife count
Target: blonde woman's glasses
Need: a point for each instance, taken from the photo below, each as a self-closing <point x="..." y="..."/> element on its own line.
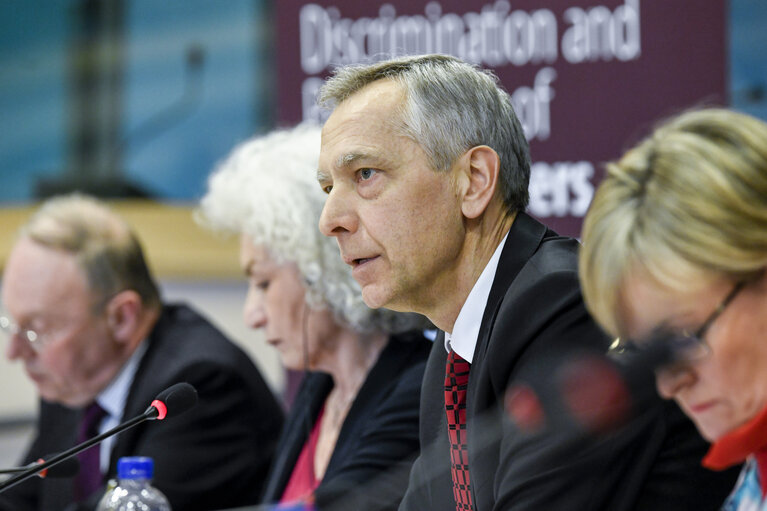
<point x="683" y="346"/>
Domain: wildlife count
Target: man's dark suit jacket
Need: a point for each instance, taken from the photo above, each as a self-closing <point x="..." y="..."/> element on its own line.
<point x="534" y="310"/>
<point x="214" y="455"/>
<point x="378" y="442"/>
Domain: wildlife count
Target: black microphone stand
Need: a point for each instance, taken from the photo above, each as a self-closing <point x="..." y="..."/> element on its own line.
<point x="150" y="414"/>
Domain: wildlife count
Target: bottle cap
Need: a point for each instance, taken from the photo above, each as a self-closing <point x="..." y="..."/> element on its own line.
<point x="135" y="467"/>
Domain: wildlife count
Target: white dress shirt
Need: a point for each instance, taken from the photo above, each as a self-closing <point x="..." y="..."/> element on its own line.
<point x="463" y="338"/>
<point x="112" y="400"/>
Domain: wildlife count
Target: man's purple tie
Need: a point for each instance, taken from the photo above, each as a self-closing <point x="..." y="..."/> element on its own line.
<point x="456" y="383"/>
<point x="89" y="478"/>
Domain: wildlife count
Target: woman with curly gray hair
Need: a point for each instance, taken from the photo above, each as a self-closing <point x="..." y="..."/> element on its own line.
<point x="353" y="429"/>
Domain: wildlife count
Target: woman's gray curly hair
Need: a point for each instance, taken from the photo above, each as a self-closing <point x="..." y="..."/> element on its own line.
<point x="267" y="189"/>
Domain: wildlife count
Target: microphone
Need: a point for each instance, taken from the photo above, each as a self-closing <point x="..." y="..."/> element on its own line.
<point x="67" y="468"/>
<point x="590" y="392"/>
<point x="173" y="401"/>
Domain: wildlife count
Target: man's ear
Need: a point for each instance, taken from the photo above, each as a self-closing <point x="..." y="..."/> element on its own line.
<point x="124" y="315"/>
<point x="483" y="170"/>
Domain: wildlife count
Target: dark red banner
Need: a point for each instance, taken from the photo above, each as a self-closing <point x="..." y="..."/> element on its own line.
<point x="587" y="78"/>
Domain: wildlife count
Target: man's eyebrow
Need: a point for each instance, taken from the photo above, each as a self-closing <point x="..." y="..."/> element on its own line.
<point x="374" y="159"/>
<point x="344" y="160"/>
<point x="347" y="159"/>
<point x="322" y="177"/>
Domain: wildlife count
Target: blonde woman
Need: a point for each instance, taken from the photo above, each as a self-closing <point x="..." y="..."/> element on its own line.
<point x="675" y="244"/>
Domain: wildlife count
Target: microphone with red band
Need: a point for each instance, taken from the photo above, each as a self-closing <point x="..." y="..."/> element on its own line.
<point x="171" y="402"/>
<point x="162" y="410"/>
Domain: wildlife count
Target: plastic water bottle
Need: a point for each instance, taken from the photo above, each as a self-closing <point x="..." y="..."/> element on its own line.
<point x="134" y="490"/>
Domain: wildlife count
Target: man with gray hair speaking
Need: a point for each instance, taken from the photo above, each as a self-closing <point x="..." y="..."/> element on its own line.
<point x="83" y="314"/>
<point x="426" y="168"/>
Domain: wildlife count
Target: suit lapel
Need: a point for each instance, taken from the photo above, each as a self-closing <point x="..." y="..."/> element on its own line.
<point x="523" y="240"/>
<point x="139" y="397"/>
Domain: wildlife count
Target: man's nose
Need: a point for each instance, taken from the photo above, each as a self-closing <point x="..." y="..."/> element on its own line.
<point x="338" y="215"/>
<point x="18" y="347"/>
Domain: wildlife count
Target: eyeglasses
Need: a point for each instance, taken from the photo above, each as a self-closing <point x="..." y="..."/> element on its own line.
<point x="9" y="329"/>
<point x="685" y="346"/>
<point x="700" y="334"/>
<point x="38" y="339"/>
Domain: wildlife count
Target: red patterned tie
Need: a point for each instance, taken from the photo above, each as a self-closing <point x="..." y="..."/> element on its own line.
<point x="456" y="383"/>
<point x="89" y="478"/>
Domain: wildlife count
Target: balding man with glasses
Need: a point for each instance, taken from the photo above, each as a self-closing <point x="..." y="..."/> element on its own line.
<point x="83" y="314"/>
